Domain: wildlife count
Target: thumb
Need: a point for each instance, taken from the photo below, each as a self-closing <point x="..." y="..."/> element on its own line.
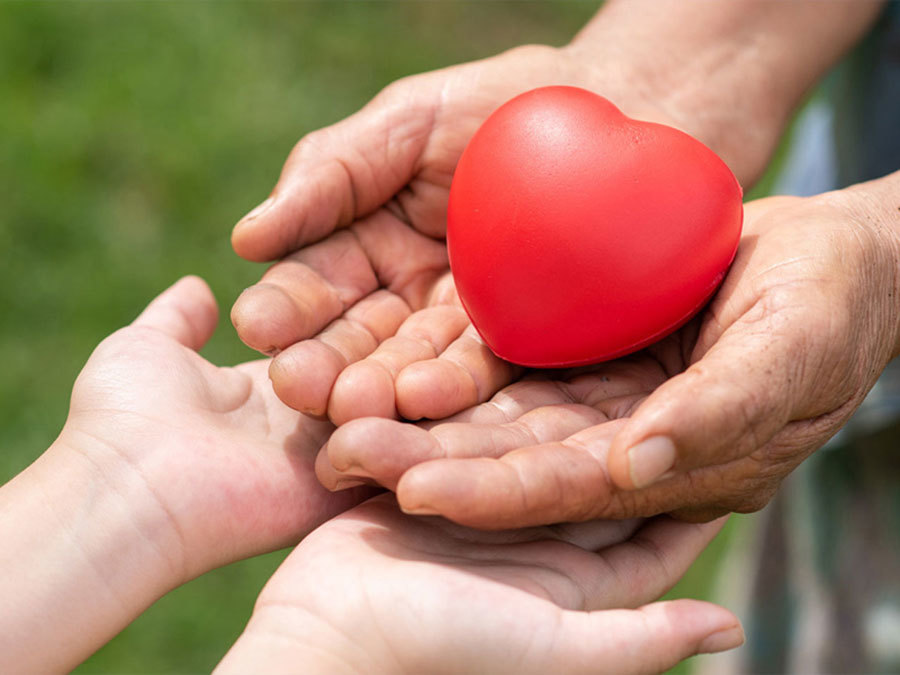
<point x="186" y="311"/>
<point x="763" y="372"/>
<point x="337" y="174"/>
<point x="651" y="639"/>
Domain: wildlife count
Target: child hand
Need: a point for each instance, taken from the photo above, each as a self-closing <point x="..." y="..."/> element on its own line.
<point x="375" y="590"/>
<point x="167" y="466"/>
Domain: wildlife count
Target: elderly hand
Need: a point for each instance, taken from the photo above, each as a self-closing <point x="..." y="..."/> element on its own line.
<point x="364" y="319"/>
<point x="375" y="590"/>
<point x="360" y="319"/>
<point x="715" y="415"/>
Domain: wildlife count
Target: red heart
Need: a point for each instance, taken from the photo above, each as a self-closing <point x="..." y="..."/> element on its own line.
<point x="577" y="234"/>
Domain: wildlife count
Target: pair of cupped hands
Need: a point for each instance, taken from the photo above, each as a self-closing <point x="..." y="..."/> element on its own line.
<point x="368" y="336"/>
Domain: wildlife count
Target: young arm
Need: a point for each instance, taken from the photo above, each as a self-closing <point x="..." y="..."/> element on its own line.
<point x="167" y="467"/>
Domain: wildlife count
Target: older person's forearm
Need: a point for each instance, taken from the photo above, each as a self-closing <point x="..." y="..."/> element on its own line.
<point x="732" y="72"/>
<point x="877" y="202"/>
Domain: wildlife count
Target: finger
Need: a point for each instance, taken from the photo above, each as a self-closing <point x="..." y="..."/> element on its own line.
<point x="382" y="450"/>
<point x="366" y="388"/>
<point x="746" y="388"/>
<point x="336" y="175"/>
<point x="299" y="296"/>
<point x="510" y="403"/>
<point x="637" y="568"/>
<point x="304" y="374"/>
<point x="463" y="375"/>
<point x="548" y="483"/>
<point x="651" y="639"/>
<point x="590" y="536"/>
<point x="405" y="261"/>
<point x="186" y="311"/>
<point x="741" y="485"/>
<point x="613" y="390"/>
<point x="373" y="448"/>
<point x="649" y="563"/>
<point x="399" y="439"/>
<point x="328" y="476"/>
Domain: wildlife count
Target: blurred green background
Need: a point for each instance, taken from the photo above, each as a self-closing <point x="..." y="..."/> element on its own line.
<point x="132" y="136"/>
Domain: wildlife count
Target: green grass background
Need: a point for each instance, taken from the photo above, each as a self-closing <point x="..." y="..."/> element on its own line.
<point x="132" y="136"/>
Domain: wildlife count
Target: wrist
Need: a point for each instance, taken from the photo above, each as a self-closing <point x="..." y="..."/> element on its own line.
<point x="729" y="73"/>
<point x="278" y="635"/>
<point x="875" y="206"/>
<point x="79" y="550"/>
<point x="691" y="89"/>
<point x="98" y="484"/>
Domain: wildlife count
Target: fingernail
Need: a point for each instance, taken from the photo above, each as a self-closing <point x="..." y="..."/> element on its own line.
<point x="722" y="640"/>
<point x="650" y="459"/>
<point x="419" y="511"/>
<point x="258" y="210"/>
<point x="347" y="483"/>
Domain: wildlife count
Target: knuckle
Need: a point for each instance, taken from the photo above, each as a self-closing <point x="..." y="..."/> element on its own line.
<point x="800" y="439"/>
<point x="310" y="143"/>
<point x="699" y="514"/>
<point x="397" y="90"/>
<point x="741" y="487"/>
<point x="750" y="495"/>
<point x="753" y="501"/>
<point x="532" y="51"/>
<point x="639" y="504"/>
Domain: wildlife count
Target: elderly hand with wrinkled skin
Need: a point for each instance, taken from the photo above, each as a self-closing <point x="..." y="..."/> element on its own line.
<point x="357" y="317"/>
<point x="707" y="421"/>
<point x="361" y="312"/>
<point x="374" y="590"/>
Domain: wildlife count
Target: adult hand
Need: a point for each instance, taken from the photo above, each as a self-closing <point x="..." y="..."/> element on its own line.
<point x="360" y="319"/>
<point x="167" y="467"/>
<point x="375" y="590"/>
<point x="372" y="190"/>
<point x="717" y="414"/>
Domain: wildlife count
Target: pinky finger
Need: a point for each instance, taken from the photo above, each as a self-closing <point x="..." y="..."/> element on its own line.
<point x="465" y="374"/>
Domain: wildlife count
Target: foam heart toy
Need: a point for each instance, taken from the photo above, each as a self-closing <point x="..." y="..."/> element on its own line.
<point x="577" y="234"/>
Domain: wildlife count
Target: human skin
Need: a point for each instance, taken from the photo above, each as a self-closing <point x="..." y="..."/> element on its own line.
<point x="365" y="322"/>
<point x="377" y="591"/>
<point x="723" y="410"/>
<point x="359" y="210"/>
<point x="167" y="467"/>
